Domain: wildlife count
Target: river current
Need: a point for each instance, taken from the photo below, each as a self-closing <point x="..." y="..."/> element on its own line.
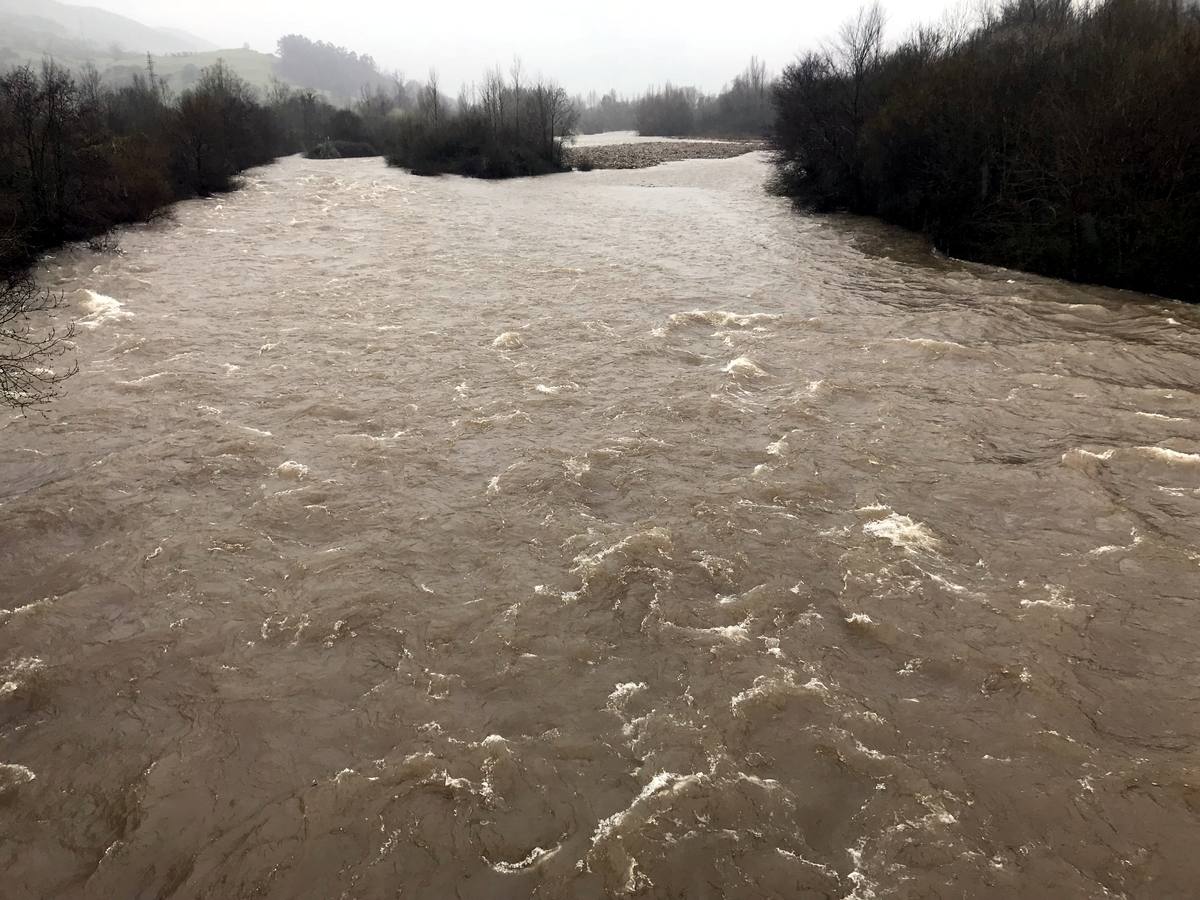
<point x="592" y="535"/>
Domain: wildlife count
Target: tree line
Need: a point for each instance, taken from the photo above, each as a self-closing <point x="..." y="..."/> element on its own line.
<point x="1051" y="136"/>
<point x="742" y="109"/>
<point x="79" y="157"/>
<point x="341" y="73"/>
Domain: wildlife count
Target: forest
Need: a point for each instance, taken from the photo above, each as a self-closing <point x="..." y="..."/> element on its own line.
<point x="1049" y="136"/>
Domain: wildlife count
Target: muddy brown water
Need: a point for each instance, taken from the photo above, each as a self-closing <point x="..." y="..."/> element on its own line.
<point x="600" y="534"/>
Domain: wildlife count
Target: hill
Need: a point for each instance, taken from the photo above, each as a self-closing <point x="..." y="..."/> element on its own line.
<point x="75" y="36"/>
<point x="46" y="24"/>
<point x="31" y="30"/>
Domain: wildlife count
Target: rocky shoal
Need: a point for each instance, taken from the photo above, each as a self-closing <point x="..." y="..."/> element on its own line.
<point x="641" y="156"/>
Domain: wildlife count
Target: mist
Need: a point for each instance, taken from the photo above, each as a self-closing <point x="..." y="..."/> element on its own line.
<point x="621" y="45"/>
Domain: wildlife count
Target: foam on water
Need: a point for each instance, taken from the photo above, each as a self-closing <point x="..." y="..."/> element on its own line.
<point x="1056" y="599"/>
<point x="1091" y="463"/>
<point x="719" y="318"/>
<point x="508" y="340"/>
<point x="903" y="532"/>
<point x="744" y="367"/>
<point x="624" y="692"/>
<point x="13" y="775"/>
<point x="25" y="608"/>
<point x="772" y="690"/>
<point x="663" y="784"/>
<point x="292" y="470"/>
<point x="929" y="343"/>
<point x="1169" y="456"/>
<point x="102" y="310"/>
<point x="16" y="675"/>
<point x="145" y="379"/>
<point x="536" y="856"/>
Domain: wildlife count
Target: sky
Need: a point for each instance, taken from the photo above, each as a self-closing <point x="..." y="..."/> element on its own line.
<point x="589" y="45"/>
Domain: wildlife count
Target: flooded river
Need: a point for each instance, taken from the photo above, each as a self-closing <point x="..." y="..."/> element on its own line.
<point x="600" y="534"/>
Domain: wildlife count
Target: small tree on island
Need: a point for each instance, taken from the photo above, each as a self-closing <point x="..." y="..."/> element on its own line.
<point x="501" y="129"/>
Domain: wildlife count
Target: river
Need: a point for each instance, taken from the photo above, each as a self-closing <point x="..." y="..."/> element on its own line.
<point x="598" y="534"/>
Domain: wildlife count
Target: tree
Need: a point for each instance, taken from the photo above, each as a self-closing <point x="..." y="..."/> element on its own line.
<point x="430" y="102"/>
<point x="30" y="344"/>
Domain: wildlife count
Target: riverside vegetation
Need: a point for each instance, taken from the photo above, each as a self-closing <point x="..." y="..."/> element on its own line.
<point x="79" y="157"/>
<point x="1055" y="137"/>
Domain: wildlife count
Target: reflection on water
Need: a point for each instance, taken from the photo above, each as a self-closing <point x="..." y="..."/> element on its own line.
<point x="596" y="534"/>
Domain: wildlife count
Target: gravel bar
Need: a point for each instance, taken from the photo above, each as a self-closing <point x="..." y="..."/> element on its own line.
<point x="642" y="156"/>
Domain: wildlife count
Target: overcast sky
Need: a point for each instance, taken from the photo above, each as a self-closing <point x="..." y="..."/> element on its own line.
<point x="585" y="45"/>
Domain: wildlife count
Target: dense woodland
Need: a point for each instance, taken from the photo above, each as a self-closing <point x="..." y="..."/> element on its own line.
<point x="1055" y="137"/>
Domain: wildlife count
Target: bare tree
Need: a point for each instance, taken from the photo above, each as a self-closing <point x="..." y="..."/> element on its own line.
<point x="858" y="52"/>
<point x="30" y="343"/>
<point x="431" y="98"/>
<point x="516" y="73"/>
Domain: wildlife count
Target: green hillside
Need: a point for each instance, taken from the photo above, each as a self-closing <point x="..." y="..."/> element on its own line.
<point x="74" y="35"/>
<point x="91" y="26"/>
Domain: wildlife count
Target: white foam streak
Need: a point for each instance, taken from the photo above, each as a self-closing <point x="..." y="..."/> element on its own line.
<point x="664" y="783"/>
<point x="509" y="340"/>
<point x="744" y="367"/>
<point x="536" y="855"/>
<point x="292" y="470"/>
<point x="903" y="532"/>
<point x="1170" y="457"/>
<point x="719" y="318"/>
<point x="102" y="310"/>
<point x="13" y="775"/>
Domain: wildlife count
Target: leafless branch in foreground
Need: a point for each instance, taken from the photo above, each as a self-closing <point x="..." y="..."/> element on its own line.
<point x="31" y="342"/>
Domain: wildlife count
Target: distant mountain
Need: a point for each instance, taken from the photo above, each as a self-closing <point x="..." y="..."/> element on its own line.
<point x="50" y="25"/>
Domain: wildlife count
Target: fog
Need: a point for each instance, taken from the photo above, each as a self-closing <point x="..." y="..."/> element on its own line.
<point x="619" y="44"/>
